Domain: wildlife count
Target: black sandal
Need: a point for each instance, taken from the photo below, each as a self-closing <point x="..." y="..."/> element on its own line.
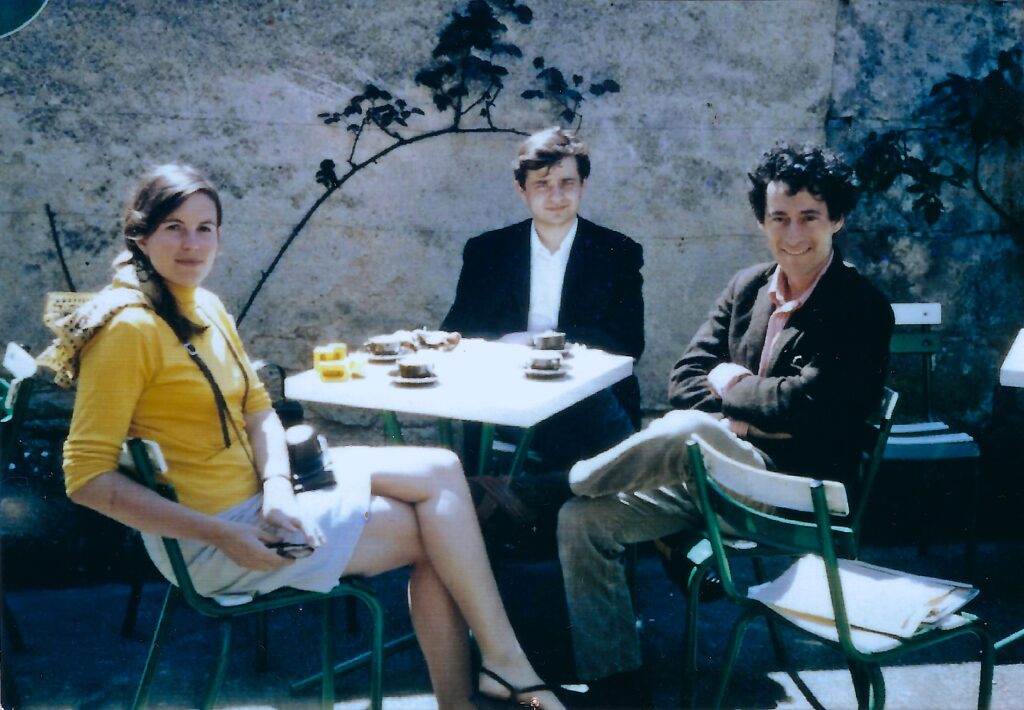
<point x="515" y="696"/>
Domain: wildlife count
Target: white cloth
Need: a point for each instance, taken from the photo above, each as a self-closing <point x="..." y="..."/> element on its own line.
<point x="547" y="273"/>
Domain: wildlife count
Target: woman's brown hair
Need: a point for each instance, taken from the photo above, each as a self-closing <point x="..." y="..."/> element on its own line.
<point x="157" y="194"/>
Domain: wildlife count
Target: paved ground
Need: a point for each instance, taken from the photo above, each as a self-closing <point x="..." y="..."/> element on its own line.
<point x="75" y="657"/>
<point x="65" y="569"/>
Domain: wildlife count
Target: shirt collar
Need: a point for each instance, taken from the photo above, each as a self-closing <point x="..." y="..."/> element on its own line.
<point x="562" y="253"/>
<point x="775" y="286"/>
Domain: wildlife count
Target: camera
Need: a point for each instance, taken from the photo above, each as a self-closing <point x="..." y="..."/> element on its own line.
<point x="310" y="460"/>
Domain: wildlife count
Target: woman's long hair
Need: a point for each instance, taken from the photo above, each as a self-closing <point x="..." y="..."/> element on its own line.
<point x="158" y="193"/>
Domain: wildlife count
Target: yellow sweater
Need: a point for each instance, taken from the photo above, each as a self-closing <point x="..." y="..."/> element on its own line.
<point x="136" y="379"/>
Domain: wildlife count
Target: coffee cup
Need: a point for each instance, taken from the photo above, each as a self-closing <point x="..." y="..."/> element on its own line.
<point x="383" y="345"/>
<point x="415" y="369"/>
<point x="547" y="362"/>
<point x="549" y="340"/>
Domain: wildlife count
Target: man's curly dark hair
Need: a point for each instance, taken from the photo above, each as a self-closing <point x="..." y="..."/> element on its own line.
<point x="822" y="173"/>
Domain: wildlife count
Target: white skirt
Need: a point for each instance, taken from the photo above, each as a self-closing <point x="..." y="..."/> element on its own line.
<point x="341" y="513"/>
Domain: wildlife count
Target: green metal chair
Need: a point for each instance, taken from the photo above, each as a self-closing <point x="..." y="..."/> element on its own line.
<point x="145" y="470"/>
<point x="928" y="442"/>
<point x="875" y="436"/>
<point x="16" y="387"/>
<point x="738" y="495"/>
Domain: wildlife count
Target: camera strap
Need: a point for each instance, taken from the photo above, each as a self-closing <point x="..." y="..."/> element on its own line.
<point x="218" y="396"/>
<point x="223" y="413"/>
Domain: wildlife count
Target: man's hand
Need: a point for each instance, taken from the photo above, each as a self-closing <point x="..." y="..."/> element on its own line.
<point x="246" y="546"/>
<point x="281" y="510"/>
<point x="724" y="375"/>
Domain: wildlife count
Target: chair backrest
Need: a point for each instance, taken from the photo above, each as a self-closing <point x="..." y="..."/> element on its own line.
<point x="731" y="491"/>
<point x="760" y="505"/>
<point x="879" y="428"/>
<point x="16" y="387"/>
<point x="146" y="460"/>
<point x="914" y="336"/>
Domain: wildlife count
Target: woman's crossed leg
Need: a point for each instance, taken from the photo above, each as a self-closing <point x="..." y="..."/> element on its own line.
<point x="422" y="514"/>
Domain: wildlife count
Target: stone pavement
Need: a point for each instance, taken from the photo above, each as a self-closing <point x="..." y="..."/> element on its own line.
<point x="76" y="658"/>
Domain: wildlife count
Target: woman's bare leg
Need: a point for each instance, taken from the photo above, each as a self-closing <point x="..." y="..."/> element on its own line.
<point x="390" y="540"/>
<point x="432" y="482"/>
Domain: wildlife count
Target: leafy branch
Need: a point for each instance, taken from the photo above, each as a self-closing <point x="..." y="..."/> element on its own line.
<point x="556" y="89"/>
<point x="465" y="76"/>
<point x="888" y="157"/>
<point x="988" y="111"/>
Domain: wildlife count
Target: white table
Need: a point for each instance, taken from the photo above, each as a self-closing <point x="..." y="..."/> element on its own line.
<point x="478" y="381"/>
<point x="1011" y="374"/>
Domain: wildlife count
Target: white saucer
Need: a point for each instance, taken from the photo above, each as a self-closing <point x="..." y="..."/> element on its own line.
<point x="545" y="374"/>
<point x="378" y="359"/>
<point x="414" y="381"/>
<point x="564" y="352"/>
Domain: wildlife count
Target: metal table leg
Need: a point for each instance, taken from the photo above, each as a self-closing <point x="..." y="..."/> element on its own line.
<point x="522" y="449"/>
<point x="392" y="429"/>
<point x="486" y="444"/>
<point x="444" y="433"/>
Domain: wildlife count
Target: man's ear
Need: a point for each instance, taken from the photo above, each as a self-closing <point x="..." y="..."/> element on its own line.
<point x="519" y="190"/>
<point x="838" y="225"/>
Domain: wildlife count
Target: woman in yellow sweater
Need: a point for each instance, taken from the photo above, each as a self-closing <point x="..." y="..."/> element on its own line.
<point x="156" y="356"/>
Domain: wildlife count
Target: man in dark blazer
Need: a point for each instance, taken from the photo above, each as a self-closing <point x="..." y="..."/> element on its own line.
<point x="789" y="363"/>
<point x="559" y="271"/>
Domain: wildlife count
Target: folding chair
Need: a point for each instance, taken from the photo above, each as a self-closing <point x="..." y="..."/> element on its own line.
<point x="930" y="442"/>
<point x="875" y="436"/>
<point x="145" y="470"/>
<point x="736" y="494"/>
<point x="15" y="392"/>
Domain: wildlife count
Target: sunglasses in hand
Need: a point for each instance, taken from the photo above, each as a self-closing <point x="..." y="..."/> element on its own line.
<point x="290" y="550"/>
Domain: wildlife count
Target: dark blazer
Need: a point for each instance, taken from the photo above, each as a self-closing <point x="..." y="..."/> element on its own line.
<point x="602" y="294"/>
<point x="825" y="378"/>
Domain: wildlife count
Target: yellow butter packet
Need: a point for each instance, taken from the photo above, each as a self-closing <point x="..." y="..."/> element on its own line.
<point x="333" y="370"/>
<point x="331" y="351"/>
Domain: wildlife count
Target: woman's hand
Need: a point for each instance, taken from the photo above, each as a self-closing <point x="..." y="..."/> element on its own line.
<point x="246" y="546"/>
<point x="282" y="510"/>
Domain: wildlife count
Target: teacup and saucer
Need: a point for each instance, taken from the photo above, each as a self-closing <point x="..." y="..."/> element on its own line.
<point x="551" y="340"/>
<point x="546" y="365"/>
<point x="384" y="348"/>
<point x="414" y="371"/>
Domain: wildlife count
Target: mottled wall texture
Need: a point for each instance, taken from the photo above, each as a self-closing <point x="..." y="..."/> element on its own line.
<point x="92" y="92"/>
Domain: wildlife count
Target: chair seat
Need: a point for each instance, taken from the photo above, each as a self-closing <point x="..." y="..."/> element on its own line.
<point x="935" y="447"/>
<point x="919" y="428"/>
<point x="864" y="640"/>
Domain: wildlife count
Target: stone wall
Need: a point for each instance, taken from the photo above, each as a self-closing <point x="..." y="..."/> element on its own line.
<point x="93" y="92"/>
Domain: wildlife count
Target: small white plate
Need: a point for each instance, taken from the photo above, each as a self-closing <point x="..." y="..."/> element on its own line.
<point x="545" y="374"/>
<point x="414" y="381"/>
<point x="378" y="359"/>
<point x="565" y="352"/>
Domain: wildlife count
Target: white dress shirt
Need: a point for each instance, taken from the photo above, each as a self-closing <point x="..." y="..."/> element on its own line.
<point x="547" y="273"/>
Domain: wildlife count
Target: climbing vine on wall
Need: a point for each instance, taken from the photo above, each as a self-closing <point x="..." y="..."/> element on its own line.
<point x="986" y="112"/>
<point x="465" y="77"/>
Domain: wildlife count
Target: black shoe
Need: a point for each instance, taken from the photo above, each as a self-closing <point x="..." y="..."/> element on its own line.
<point x="672" y="551"/>
<point x="520" y="697"/>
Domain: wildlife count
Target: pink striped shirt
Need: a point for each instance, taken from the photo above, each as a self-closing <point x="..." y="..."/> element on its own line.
<point x="778" y="287"/>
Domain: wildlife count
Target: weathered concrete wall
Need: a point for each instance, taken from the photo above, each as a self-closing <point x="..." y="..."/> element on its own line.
<point x="888" y="56"/>
<point x="92" y="92"/>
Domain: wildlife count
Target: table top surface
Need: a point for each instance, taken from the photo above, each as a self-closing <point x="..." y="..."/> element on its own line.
<point x="477" y="381"/>
<point x="1011" y="374"/>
